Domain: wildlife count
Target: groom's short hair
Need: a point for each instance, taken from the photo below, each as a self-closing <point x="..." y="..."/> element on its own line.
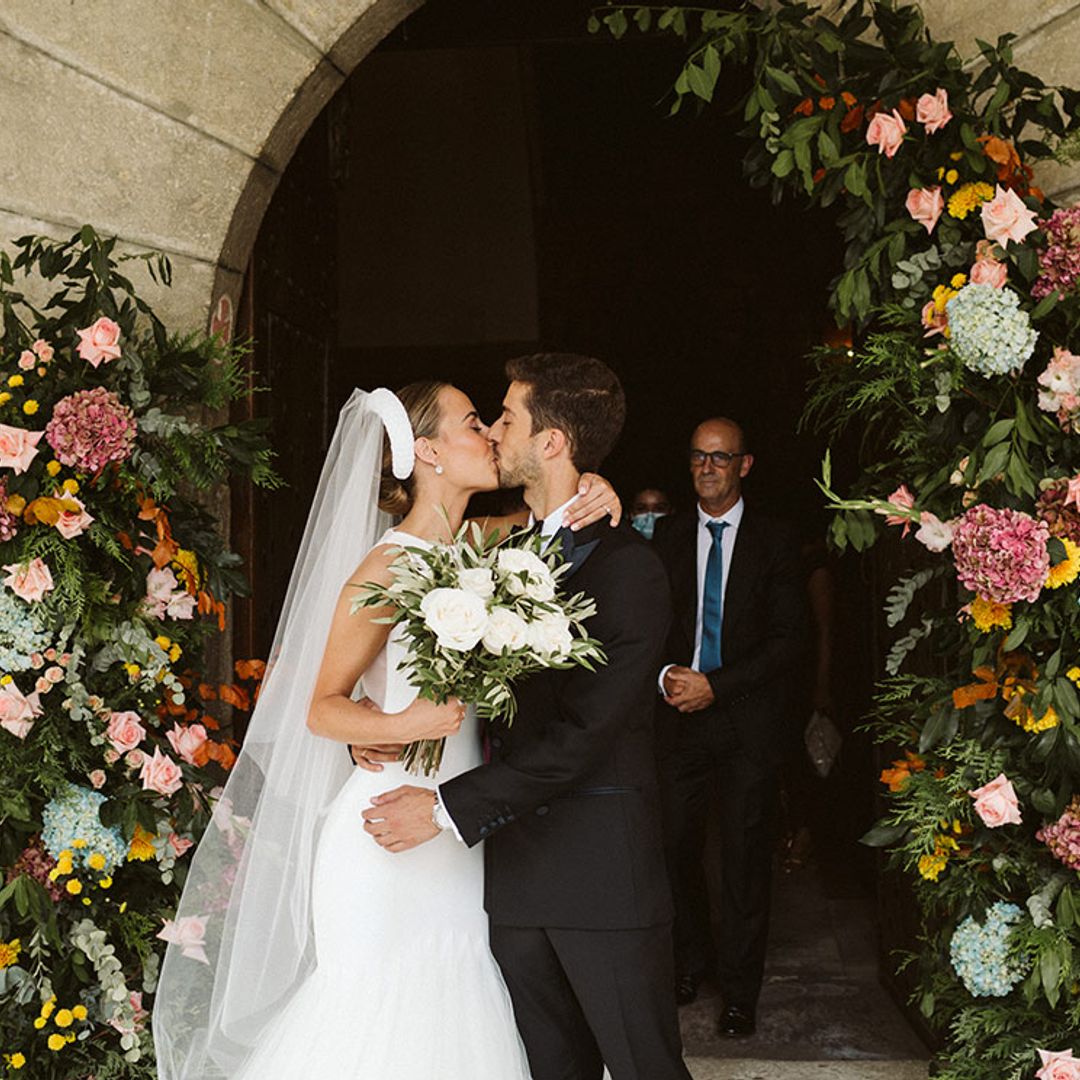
<point x="579" y="395"/>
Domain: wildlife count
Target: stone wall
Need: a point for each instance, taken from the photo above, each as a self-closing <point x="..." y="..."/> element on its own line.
<point x="168" y="122"/>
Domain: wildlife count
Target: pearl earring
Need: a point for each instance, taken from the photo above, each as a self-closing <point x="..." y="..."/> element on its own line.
<point x="438" y="470"/>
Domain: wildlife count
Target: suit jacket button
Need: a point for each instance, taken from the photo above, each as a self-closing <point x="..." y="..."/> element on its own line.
<point x="542" y="810"/>
<point x="496" y="742"/>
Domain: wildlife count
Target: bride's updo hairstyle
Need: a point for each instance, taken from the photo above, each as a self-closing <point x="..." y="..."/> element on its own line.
<point x="421" y="401"/>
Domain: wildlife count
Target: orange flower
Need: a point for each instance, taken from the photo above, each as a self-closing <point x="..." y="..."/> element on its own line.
<point x="820" y="80"/>
<point x="827" y="103"/>
<point x="898" y="776"/>
<point x="819" y="175"/>
<point x="906" y="108"/>
<point x="848" y="98"/>
<point x="805" y="107"/>
<point x="853" y="119"/>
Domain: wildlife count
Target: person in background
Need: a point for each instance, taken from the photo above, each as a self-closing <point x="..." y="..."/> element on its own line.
<point x="648" y="505"/>
<point x="734" y="649"/>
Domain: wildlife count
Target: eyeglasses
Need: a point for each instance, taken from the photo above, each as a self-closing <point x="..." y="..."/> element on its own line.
<point x="721" y="459"/>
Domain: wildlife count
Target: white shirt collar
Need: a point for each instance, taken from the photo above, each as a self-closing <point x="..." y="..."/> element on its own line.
<point x="731" y="518"/>
<point x="554" y="521"/>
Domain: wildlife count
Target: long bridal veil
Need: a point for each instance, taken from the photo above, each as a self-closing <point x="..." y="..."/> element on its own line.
<point x="241" y="942"/>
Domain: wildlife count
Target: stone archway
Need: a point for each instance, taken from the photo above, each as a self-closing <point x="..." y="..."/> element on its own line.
<point x="168" y="125"/>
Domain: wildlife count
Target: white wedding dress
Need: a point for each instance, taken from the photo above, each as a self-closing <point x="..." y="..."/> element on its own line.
<point x="405" y="986"/>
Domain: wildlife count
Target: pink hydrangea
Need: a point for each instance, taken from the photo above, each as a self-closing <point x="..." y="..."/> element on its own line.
<point x="1001" y="554"/>
<point x="36" y="863"/>
<point x="1063" y="836"/>
<point x="90" y="428"/>
<point x="9" y="522"/>
<point x="1059" y="261"/>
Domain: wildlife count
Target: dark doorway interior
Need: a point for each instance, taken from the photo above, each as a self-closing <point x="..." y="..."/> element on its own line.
<point x="493" y="181"/>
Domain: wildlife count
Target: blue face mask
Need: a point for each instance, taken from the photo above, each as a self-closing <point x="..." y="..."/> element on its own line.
<point x="646" y="523"/>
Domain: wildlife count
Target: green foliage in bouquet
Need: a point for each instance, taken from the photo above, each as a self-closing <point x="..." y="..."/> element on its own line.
<point x="115" y="577"/>
<point x="965" y="386"/>
<point x="478" y="614"/>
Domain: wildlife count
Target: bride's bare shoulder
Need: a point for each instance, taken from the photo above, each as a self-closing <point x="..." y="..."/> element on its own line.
<point x="376" y="565"/>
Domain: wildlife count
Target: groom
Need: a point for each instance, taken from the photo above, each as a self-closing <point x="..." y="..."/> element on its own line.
<point x="576" y="889"/>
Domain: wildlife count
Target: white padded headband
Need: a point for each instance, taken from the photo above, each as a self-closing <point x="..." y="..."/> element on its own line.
<point x="387" y="406"/>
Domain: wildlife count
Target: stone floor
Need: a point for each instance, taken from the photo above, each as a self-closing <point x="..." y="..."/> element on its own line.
<point x="823" y="1013"/>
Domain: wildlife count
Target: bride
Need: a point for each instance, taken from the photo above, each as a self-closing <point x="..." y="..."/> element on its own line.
<point x="300" y="948"/>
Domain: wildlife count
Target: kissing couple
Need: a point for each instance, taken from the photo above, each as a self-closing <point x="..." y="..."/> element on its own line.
<point x="506" y="918"/>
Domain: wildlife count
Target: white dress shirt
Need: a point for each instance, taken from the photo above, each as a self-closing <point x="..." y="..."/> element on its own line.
<point x="704" y="545"/>
<point x="548" y="527"/>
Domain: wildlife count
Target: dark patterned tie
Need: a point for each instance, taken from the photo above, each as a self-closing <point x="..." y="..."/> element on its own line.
<point x="712" y="603"/>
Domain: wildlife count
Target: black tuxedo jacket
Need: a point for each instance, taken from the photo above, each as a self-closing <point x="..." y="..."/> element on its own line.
<point x="763" y="633"/>
<point x="568" y="804"/>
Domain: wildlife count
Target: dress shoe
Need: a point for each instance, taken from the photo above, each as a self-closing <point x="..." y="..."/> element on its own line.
<point x="686" y="987"/>
<point x="736" y="1023"/>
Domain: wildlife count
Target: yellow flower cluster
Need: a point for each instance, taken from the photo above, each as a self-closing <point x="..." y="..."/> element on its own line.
<point x="1066" y="571"/>
<point x="142" y="847"/>
<point x="989" y="615"/>
<point x="1027" y="720"/>
<point x="187" y="560"/>
<point x="15" y="1061"/>
<point x="63" y="1019"/>
<point x="65" y="868"/>
<point x="969" y="197"/>
<point x="9" y="953"/>
<point x="931" y="866"/>
<point x="53" y="467"/>
<point x="1074" y="674"/>
<point x="169" y="646"/>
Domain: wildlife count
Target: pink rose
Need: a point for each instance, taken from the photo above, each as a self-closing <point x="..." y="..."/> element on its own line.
<point x="29" y="582"/>
<point x="133" y="759"/>
<point x="1005" y="217"/>
<point x="18" y="447"/>
<point x="37" y="660"/>
<point x="98" y="343"/>
<point x="111" y="756"/>
<point x="925" y="206"/>
<point x="161" y="774"/>
<point x="26" y="360"/>
<point x="1058" y="1065"/>
<point x="189" y="934"/>
<point x="42" y="686"/>
<point x="54" y="675"/>
<point x="97" y="778"/>
<point x="886" y="132"/>
<point x="996" y="803"/>
<point x="43" y="349"/>
<point x="932" y="110"/>
<point x="125" y="731"/>
<point x="17" y="713"/>
<point x="186" y="740"/>
<point x="72" y="523"/>
<point x="180" y="844"/>
<point x="989" y="272"/>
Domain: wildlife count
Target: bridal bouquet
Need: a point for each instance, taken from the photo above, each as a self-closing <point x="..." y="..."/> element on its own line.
<point x="479" y="613"/>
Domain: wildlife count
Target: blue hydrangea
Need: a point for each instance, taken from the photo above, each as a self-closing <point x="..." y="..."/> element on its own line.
<point x="989" y="331"/>
<point x="73" y="815"/>
<point x="980" y="953"/>
<point x="20" y="634"/>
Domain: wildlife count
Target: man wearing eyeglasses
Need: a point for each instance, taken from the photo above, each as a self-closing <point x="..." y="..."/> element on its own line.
<point x="734" y="646"/>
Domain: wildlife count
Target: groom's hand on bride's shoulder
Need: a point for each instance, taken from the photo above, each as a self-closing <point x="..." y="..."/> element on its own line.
<point x="402" y="819"/>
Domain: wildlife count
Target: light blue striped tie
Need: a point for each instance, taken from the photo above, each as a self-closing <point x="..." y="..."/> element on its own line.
<point x="712" y="604"/>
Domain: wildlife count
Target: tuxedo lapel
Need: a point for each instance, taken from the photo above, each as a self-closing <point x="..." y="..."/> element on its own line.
<point x="577" y="547"/>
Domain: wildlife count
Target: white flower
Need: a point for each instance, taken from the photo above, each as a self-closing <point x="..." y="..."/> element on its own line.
<point x="479" y="581"/>
<point x="537" y="583"/>
<point x="934" y="534"/>
<point x="505" y="630"/>
<point x="456" y="617"/>
<point x="550" y="635"/>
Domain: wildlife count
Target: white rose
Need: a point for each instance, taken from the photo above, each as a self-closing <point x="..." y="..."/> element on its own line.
<point x="550" y="635"/>
<point x="479" y="580"/>
<point x="537" y="585"/>
<point x="505" y="630"/>
<point x="456" y="617"/>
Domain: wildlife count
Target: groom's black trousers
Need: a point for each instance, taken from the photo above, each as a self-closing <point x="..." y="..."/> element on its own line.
<point x="586" y="997"/>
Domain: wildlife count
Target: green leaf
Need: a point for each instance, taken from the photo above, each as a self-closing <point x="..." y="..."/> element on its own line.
<point x="998" y="432"/>
<point x="883" y="834"/>
<point x="940" y="727"/>
<point x="1065" y="915"/>
<point x="994" y="462"/>
<point x="783" y="164"/>
<point x="783" y="80"/>
<point x="1050" y="973"/>
<point x="1018" y="635"/>
<point x="1045" y="306"/>
<point x="643" y="18"/>
<point x="593" y="25"/>
<point x="997" y="99"/>
<point x="617" y="23"/>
